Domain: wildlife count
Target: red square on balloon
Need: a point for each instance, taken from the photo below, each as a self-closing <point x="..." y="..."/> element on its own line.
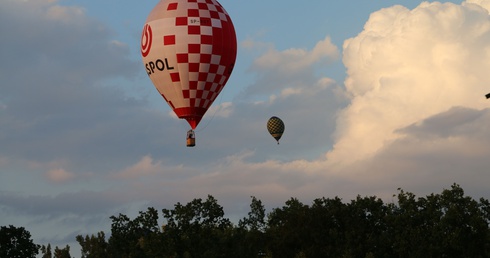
<point x="169" y="40"/>
<point x="181" y="21"/>
<point x="182" y="58"/>
<point x="207" y="39"/>
<point x="196" y="30"/>
<point x="194" y="48"/>
<point x="205" y="58"/>
<point x="172" y="6"/>
<point x="194" y="67"/>
<point x="193" y="85"/>
<point x="175" y="77"/>
<point x="193" y="13"/>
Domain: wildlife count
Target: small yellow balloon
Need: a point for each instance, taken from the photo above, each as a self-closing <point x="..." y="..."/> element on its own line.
<point x="275" y="126"/>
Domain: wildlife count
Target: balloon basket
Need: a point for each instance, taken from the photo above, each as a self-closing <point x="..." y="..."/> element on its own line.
<point x="191" y="138"/>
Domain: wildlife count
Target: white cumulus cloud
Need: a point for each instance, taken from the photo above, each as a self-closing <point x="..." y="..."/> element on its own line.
<point x="407" y="65"/>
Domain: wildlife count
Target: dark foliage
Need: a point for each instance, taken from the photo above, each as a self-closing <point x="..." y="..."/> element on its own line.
<point x="17" y="243"/>
<point x="448" y="224"/>
<point x="439" y="225"/>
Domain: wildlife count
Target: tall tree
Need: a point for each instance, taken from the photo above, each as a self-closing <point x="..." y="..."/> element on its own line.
<point x="365" y="228"/>
<point x="463" y="228"/>
<point x="198" y="229"/>
<point x="440" y="225"/>
<point x="46" y="251"/>
<point x="62" y="253"/>
<point x="256" y="216"/>
<point x="17" y="243"/>
<point x="250" y="234"/>
<point x="287" y="232"/>
<point x="327" y="228"/>
<point x="93" y="246"/>
<point x="132" y="238"/>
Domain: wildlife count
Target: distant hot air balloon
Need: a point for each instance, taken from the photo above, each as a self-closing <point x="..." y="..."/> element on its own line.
<point x="189" y="49"/>
<point x="275" y="126"/>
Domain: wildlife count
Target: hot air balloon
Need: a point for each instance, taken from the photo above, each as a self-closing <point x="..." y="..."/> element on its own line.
<point x="275" y="126"/>
<point x="189" y="49"/>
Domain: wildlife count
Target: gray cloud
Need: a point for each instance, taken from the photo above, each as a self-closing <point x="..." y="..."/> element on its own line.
<point x="94" y="148"/>
<point x="66" y="122"/>
<point x="457" y="121"/>
<point x="57" y="103"/>
<point x="79" y="204"/>
<point x="450" y="147"/>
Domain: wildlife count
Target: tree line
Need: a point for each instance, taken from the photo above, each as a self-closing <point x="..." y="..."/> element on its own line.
<point x="448" y="224"/>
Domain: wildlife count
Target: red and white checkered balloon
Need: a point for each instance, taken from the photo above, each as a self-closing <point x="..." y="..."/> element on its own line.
<point x="189" y="49"/>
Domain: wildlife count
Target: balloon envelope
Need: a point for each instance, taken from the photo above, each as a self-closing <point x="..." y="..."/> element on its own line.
<point x="189" y="49"/>
<point x="276" y="127"/>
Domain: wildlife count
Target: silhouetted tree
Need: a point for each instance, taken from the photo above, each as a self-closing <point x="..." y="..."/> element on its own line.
<point x="46" y="251"/>
<point x="448" y="224"/>
<point x="62" y="253"/>
<point x="249" y="236"/>
<point x="365" y="228"/>
<point x="135" y="238"/>
<point x="288" y="233"/>
<point x="198" y="229"/>
<point x="328" y="222"/>
<point x="440" y="225"/>
<point x="93" y="246"/>
<point x="17" y="243"/>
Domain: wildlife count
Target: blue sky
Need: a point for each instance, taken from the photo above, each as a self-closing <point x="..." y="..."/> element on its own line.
<point x="375" y="95"/>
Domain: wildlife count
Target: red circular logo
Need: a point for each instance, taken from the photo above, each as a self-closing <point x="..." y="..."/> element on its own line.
<point x="146" y="39"/>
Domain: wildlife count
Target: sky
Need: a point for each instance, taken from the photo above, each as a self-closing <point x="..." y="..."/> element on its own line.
<point x="375" y="96"/>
